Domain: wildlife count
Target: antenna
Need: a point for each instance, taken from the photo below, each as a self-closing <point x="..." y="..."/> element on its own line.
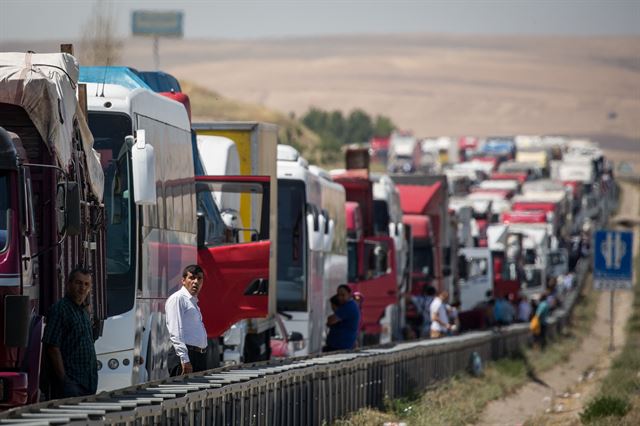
<point x="104" y="78"/>
<point x="106" y="70"/>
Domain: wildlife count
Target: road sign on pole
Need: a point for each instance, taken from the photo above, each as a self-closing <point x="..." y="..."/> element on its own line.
<point x="612" y="260"/>
<point x="157" y="24"/>
<point x="612" y="266"/>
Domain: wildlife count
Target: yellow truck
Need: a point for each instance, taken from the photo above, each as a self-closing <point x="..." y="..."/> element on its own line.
<point x="539" y="157"/>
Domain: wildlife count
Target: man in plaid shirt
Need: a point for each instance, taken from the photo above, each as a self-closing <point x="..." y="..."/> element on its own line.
<point x="68" y="339"/>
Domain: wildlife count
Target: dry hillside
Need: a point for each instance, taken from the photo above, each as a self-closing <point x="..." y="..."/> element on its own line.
<point x="207" y="105"/>
<point x="433" y="84"/>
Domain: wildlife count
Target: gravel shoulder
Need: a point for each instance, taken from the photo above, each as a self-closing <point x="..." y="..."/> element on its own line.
<point x="572" y="383"/>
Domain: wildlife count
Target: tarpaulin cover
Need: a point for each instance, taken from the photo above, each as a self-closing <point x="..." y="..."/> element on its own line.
<point x="44" y="85"/>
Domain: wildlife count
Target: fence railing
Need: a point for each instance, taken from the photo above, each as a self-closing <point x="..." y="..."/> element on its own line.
<point x="305" y="391"/>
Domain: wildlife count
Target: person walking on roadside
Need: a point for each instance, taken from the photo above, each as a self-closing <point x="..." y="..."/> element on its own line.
<point x="422" y="304"/>
<point x="524" y="310"/>
<point x="542" y="312"/>
<point x="440" y="324"/>
<point x="344" y="323"/>
<point x="503" y="312"/>
<point x="68" y="340"/>
<point x="453" y="312"/>
<point x="188" y="336"/>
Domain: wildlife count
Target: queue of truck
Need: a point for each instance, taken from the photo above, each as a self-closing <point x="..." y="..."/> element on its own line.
<point x="102" y="166"/>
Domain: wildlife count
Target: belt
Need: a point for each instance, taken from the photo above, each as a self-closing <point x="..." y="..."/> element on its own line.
<point x="196" y="349"/>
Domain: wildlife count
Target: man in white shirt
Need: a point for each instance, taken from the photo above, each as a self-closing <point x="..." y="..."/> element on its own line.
<point x="440" y="324"/>
<point x="184" y="321"/>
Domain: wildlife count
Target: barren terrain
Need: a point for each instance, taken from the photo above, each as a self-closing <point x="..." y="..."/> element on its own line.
<point x="432" y="84"/>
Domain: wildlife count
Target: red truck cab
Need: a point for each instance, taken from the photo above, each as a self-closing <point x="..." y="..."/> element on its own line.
<point x="237" y="272"/>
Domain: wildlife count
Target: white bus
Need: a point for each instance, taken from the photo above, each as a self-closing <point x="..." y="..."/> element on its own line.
<point x="147" y="245"/>
<point x="312" y="251"/>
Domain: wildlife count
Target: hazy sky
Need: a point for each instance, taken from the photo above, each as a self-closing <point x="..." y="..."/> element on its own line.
<point x="39" y="19"/>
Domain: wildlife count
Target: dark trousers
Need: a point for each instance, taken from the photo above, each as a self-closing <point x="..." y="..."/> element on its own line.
<point x="198" y="362"/>
<point x="543" y="335"/>
<point x="68" y="389"/>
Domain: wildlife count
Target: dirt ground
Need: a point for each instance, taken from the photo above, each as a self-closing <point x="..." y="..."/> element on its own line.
<point x="572" y="383"/>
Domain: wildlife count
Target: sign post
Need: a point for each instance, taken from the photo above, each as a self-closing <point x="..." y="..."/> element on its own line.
<point x="612" y="265"/>
<point x="157" y="24"/>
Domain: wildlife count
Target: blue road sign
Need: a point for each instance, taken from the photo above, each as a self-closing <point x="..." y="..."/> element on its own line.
<point x="612" y="260"/>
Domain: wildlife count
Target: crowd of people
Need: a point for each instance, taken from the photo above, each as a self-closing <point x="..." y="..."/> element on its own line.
<point x="435" y="316"/>
<point x="69" y="341"/>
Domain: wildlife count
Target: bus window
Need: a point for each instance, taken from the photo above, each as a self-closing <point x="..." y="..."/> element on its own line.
<point x="292" y="291"/>
<point x="109" y="131"/>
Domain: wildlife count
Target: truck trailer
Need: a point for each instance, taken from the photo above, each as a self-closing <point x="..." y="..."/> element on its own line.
<point x="51" y="214"/>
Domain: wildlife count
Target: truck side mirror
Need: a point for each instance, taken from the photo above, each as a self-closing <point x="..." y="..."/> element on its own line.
<point x="201" y="229"/>
<point x="446" y="271"/>
<point x="382" y="264"/>
<point x="68" y="208"/>
<point x="143" y="168"/>
<point x="314" y="229"/>
<point x="295" y="336"/>
<point x="463" y="271"/>
<point x="328" y="240"/>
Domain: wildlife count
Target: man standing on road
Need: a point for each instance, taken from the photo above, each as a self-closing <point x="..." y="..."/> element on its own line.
<point x="440" y="324"/>
<point x="68" y="340"/>
<point x="184" y="321"/>
<point x="344" y="323"/>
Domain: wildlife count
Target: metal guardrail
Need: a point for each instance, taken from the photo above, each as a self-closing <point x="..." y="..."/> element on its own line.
<point x="304" y="391"/>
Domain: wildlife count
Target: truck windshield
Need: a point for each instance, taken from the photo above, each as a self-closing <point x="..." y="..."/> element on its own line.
<point x="4" y="207"/>
<point x="352" y="251"/>
<point x="292" y="291"/>
<point x="109" y="131"/>
<point x="423" y="259"/>
<point x="380" y="217"/>
<point x="219" y="202"/>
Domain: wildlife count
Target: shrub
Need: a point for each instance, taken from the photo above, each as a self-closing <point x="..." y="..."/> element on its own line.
<point x="604" y="406"/>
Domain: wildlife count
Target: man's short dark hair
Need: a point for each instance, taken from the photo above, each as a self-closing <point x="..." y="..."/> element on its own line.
<point x="345" y="287"/>
<point x="78" y="270"/>
<point x="429" y="290"/>
<point x="192" y="269"/>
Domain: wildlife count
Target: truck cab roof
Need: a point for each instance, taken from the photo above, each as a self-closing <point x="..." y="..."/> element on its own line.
<point x="121" y="99"/>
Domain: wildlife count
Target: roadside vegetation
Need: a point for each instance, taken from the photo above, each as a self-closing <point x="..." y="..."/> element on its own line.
<point x="462" y="399"/>
<point x="336" y="130"/>
<point x="618" y="400"/>
<point x="319" y="135"/>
